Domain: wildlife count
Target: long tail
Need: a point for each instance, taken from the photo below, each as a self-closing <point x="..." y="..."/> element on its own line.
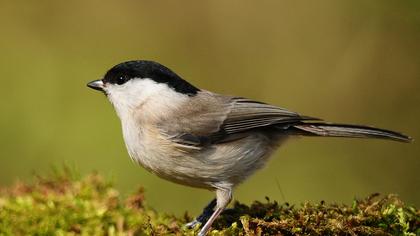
<point x="345" y="130"/>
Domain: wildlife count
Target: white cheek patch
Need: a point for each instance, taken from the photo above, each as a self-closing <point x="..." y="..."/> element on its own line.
<point x="133" y="91"/>
<point x="147" y="93"/>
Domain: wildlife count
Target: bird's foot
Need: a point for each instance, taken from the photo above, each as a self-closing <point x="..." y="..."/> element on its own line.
<point x="203" y="218"/>
<point x="192" y="224"/>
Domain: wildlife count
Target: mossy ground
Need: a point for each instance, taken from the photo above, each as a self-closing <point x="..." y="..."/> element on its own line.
<point x="63" y="204"/>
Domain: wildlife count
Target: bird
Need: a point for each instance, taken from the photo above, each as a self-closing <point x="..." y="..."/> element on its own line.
<point x="203" y="139"/>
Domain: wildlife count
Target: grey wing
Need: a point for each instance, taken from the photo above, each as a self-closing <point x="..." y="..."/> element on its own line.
<point x="230" y="120"/>
<point x="192" y="126"/>
<point x="247" y="114"/>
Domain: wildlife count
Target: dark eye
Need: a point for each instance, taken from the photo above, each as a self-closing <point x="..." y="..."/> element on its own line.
<point x="121" y="80"/>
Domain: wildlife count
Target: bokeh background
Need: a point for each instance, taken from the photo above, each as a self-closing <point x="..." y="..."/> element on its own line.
<point x="346" y="61"/>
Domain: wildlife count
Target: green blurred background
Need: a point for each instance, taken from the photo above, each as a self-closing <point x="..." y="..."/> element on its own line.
<point x="345" y="61"/>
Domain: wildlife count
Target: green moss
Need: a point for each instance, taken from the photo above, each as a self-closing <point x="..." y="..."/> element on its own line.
<point x="65" y="204"/>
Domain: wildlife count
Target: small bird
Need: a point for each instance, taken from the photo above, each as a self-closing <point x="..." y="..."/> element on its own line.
<point x="202" y="139"/>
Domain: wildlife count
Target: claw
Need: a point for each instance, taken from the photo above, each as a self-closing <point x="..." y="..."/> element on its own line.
<point x="192" y="224"/>
<point x="205" y="215"/>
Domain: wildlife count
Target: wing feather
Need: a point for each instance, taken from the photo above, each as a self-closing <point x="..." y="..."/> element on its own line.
<point x="213" y="118"/>
<point x="247" y="114"/>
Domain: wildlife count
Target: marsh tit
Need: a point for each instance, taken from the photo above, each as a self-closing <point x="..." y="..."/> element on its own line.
<point x="203" y="139"/>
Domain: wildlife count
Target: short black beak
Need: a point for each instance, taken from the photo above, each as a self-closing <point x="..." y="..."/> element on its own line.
<point x="97" y="85"/>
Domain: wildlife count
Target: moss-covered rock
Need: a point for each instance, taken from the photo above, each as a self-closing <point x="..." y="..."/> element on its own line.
<point x="63" y="204"/>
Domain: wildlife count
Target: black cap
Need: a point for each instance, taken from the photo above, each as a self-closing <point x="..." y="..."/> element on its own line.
<point x="142" y="69"/>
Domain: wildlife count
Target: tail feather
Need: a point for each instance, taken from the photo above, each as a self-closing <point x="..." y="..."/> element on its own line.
<point x="345" y="130"/>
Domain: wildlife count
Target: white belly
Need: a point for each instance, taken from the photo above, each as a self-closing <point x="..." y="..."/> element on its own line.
<point x="220" y="164"/>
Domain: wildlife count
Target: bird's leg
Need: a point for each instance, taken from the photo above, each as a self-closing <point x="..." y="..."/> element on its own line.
<point x="223" y="196"/>
<point x="205" y="215"/>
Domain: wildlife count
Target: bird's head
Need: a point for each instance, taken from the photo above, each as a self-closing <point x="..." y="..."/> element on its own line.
<point x="132" y="84"/>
